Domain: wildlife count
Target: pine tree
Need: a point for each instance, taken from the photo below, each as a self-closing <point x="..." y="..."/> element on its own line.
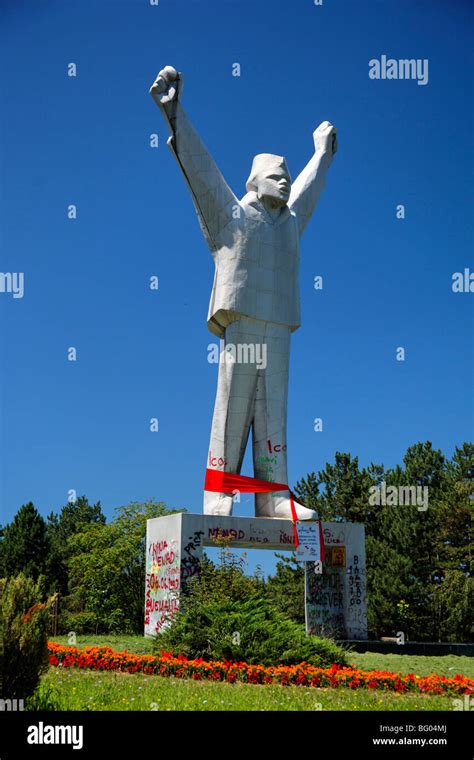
<point x="286" y="588"/>
<point x="453" y="592"/>
<point x="72" y="519"/>
<point x="341" y="490"/>
<point x="25" y="544"/>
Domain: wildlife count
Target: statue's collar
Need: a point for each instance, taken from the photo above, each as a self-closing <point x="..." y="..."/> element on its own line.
<point x="251" y="201"/>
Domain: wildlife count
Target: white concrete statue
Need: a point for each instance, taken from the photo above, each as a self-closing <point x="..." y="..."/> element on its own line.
<point x="255" y="296"/>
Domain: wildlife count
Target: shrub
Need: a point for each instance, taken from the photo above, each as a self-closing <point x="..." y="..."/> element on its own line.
<point x="85" y="622"/>
<point x="250" y="630"/>
<point x="24" y="625"/>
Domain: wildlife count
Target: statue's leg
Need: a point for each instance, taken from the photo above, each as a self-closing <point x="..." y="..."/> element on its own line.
<point x="233" y="412"/>
<point x="269" y="424"/>
<point x="269" y="427"/>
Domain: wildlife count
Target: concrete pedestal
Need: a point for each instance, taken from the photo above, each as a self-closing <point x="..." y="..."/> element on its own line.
<point x="335" y="597"/>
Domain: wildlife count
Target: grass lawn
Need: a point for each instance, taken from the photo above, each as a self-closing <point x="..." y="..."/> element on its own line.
<point x="72" y="689"/>
<point x="421" y="665"/>
<point x="448" y="665"/>
<point x="119" y="642"/>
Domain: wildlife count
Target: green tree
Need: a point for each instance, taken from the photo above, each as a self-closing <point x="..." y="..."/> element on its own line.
<point x="402" y="558"/>
<point x="452" y="587"/>
<point x="286" y="588"/>
<point x="107" y="571"/>
<point x="72" y="519"/>
<point x="25" y="544"/>
<point x="2" y="564"/>
<point x="454" y="599"/>
<point x="341" y="490"/>
<point x="455" y="542"/>
<point x="228" y="580"/>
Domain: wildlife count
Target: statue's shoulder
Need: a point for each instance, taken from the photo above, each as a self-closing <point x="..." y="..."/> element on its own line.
<point x="251" y="205"/>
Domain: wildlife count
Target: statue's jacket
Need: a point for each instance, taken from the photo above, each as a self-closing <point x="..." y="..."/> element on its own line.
<point x="256" y="256"/>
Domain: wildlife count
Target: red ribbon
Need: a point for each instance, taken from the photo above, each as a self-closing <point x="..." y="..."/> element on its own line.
<point x="227" y="482"/>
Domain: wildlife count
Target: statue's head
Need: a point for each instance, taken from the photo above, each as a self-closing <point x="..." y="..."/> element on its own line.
<point x="270" y="179"/>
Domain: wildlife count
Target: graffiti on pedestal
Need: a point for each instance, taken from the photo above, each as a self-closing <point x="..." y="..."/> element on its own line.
<point x="256" y="533"/>
<point x="356" y="613"/>
<point x="161" y="583"/>
<point x="325" y="603"/>
<point x="191" y="559"/>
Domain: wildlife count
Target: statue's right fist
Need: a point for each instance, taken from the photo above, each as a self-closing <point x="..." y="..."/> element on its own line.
<point x="325" y="138"/>
<point x="166" y="86"/>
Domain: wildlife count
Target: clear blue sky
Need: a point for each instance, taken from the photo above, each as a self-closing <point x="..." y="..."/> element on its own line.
<point x="143" y="354"/>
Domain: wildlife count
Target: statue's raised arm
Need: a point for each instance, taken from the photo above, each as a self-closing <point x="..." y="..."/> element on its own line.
<point x="214" y="200"/>
<point x="309" y="185"/>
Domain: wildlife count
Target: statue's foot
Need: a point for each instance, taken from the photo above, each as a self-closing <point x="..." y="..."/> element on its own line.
<point x="283" y="510"/>
<point x="270" y="505"/>
<point x="217" y="504"/>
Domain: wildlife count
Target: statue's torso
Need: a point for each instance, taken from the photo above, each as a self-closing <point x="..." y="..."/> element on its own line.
<point x="257" y="268"/>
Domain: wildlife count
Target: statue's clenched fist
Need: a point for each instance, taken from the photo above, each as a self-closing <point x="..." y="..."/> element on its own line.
<point x="166" y="86"/>
<point x="325" y="138"/>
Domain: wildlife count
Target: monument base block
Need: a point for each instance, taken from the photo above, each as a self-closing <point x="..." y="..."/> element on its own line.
<point x="335" y="589"/>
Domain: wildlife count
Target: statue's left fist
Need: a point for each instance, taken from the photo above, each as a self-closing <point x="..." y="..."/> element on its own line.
<point x="325" y="138"/>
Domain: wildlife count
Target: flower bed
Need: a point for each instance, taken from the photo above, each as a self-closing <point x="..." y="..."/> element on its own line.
<point x="167" y="664"/>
